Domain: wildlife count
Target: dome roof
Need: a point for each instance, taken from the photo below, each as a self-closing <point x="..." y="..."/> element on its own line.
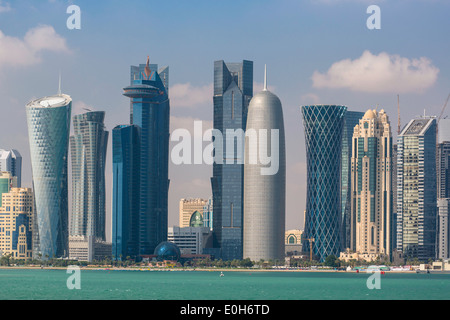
<point x="167" y="251"/>
<point x="370" y="114"/>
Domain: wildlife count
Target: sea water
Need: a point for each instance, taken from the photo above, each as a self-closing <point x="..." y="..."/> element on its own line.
<point x="48" y="284"/>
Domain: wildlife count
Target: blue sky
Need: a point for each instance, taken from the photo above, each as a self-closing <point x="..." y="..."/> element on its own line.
<point x="316" y="52"/>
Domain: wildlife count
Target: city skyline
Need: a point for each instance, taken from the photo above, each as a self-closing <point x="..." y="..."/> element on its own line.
<point x="302" y="77"/>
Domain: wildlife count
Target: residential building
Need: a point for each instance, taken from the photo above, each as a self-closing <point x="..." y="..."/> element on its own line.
<point x="187" y="209"/>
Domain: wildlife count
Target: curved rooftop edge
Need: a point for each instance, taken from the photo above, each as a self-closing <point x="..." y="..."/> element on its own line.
<point x="54" y="101"/>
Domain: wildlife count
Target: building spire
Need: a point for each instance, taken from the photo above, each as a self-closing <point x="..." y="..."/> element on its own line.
<point x="265" y="77"/>
<point x="59" y="84"/>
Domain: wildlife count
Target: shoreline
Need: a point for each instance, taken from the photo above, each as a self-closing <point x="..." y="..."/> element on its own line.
<point x="147" y="269"/>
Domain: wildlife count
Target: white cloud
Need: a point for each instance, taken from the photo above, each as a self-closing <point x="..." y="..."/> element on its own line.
<point x="4" y="7"/>
<point x="185" y="95"/>
<point x="381" y="73"/>
<point x="18" y="53"/>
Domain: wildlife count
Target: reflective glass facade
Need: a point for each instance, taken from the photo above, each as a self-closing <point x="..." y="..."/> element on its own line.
<point x="351" y="119"/>
<point x="233" y="90"/>
<point x="125" y="206"/>
<point x="11" y="161"/>
<point x="88" y="154"/>
<point x="48" y="131"/>
<point x="323" y="126"/>
<point x="150" y="111"/>
<point x="416" y="189"/>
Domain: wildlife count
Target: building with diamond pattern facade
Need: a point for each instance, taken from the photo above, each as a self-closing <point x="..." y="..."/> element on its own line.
<point x="323" y="126"/>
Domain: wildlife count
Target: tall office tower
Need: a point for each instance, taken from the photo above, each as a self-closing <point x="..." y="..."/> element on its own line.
<point x="126" y="194"/>
<point x="150" y="111"/>
<point x="443" y="195"/>
<point x="88" y="153"/>
<point x="351" y="119"/>
<point x="48" y="131"/>
<point x="233" y="90"/>
<point x="187" y="208"/>
<point x="16" y="225"/>
<point x="11" y="161"/>
<point x="264" y="183"/>
<point x="394" y="229"/>
<point x="416" y="189"/>
<point x="323" y="126"/>
<point x="7" y="181"/>
<point x="372" y="186"/>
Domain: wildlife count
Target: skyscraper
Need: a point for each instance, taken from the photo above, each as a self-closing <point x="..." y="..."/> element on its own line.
<point x="443" y="196"/>
<point x="233" y="90"/>
<point x="351" y="119"/>
<point x="88" y="153"/>
<point x="323" y="126"/>
<point x="126" y="186"/>
<point x="264" y="192"/>
<point x="48" y="131"/>
<point x="416" y="189"/>
<point x="371" y="188"/>
<point x="187" y="208"/>
<point x="11" y="161"/>
<point x="150" y="111"/>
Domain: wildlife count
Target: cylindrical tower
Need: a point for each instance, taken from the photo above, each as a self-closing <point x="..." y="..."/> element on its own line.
<point x="264" y="179"/>
<point x="48" y="130"/>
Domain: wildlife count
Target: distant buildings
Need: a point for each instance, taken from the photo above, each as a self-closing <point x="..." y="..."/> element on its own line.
<point x="208" y="214"/>
<point x="323" y="125"/>
<point x="11" y="161"/>
<point x="187" y="209"/>
<point x="416" y="189"/>
<point x="48" y="131"/>
<point x="371" y="205"/>
<point x="16" y="223"/>
<point x="233" y="90"/>
<point x="144" y="148"/>
<point x="264" y="192"/>
<point x="191" y="240"/>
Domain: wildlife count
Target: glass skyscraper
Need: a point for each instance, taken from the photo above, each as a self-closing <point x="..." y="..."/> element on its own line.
<point x="125" y="206"/>
<point x="88" y="154"/>
<point x="48" y="131"/>
<point x="11" y="161"/>
<point x="150" y="111"/>
<point x="351" y="119"/>
<point x="323" y="125"/>
<point x="233" y="90"/>
<point x="416" y="189"/>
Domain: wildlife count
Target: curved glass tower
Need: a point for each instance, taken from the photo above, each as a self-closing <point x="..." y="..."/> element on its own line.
<point x="323" y="125"/>
<point x="48" y="130"/>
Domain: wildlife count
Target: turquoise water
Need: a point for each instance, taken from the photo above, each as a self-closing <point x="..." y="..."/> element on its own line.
<point x="208" y="285"/>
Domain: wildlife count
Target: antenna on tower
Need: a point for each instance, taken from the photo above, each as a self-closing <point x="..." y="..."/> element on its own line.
<point x="265" y="77"/>
<point x="398" y="114"/>
<point x="59" y="84"/>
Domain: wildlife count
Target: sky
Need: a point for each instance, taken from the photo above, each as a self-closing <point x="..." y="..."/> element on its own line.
<point x="316" y="52"/>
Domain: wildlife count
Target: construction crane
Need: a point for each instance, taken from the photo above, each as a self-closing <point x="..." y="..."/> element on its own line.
<point x="443" y="109"/>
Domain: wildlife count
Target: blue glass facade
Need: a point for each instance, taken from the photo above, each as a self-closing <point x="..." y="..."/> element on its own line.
<point x="233" y="90"/>
<point x="125" y="207"/>
<point x="351" y="119"/>
<point x="48" y="130"/>
<point x="150" y="111"/>
<point x="323" y="125"/>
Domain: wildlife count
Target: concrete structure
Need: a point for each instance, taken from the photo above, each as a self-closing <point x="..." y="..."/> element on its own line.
<point x="88" y="248"/>
<point x="16" y="223"/>
<point x="371" y="188"/>
<point x="88" y="153"/>
<point x="187" y="208"/>
<point x="233" y="90"/>
<point x="443" y="245"/>
<point x="264" y="184"/>
<point x="208" y="214"/>
<point x="48" y="131"/>
<point x="416" y="189"/>
<point x="11" y="161"/>
<point x="293" y="242"/>
<point x="190" y="240"/>
<point x="443" y="194"/>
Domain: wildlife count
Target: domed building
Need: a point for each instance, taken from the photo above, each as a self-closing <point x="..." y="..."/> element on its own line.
<point x="167" y="251"/>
